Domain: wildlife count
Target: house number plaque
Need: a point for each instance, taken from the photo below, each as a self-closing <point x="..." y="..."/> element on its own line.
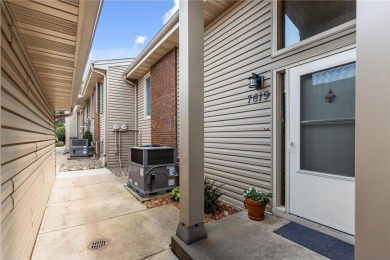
<point x="258" y="97"/>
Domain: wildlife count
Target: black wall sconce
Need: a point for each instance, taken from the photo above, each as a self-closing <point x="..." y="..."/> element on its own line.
<point x="256" y="81"/>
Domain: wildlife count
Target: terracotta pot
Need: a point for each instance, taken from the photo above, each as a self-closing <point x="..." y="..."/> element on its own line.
<point x="255" y="210"/>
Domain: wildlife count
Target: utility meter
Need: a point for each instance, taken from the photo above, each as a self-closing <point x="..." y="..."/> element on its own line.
<point x="124" y="127"/>
<point x="116" y="127"/>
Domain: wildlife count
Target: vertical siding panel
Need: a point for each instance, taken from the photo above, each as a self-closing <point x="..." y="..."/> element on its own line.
<point x="144" y="125"/>
<point x="27" y="136"/>
<point x="178" y="100"/>
<point x="121" y="109"/>
<point x="91" y="115"/>
<point x="71" y="129"/>
<point x="238" y="148"/>
<point x="102" y="117"/>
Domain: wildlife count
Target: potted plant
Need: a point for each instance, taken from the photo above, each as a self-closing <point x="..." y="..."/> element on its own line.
<point x="255" y="201"/>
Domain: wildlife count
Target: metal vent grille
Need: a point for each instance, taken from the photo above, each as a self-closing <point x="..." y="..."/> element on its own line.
<point x="42" y="16"/>
<point x="157" y="157"/>
<point x="45" y="24"/>
<point x="98" y="244"/>
<point x="137" y="156"/>
<point x="73" y="2"/>
<point x="58" y="80"/>
<point x="79" y="142"/>
<point x="48" y="44"/>
<point x="54" y="71"/>
<point x="51" y="60"/>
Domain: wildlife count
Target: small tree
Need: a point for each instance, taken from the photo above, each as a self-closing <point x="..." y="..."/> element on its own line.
<point x="88" y="135"/>
<point x="60" y="133"/>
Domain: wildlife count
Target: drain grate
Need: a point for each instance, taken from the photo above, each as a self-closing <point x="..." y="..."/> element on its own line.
<point x="98" y="244"/>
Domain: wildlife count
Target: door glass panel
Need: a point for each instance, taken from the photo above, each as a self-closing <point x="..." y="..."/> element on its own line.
<point x="328" y="121"/>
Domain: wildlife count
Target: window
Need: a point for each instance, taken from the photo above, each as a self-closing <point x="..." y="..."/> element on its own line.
<point x="147" y="97"/>
<point x="301" y="20"/>
<point x="327" y="127"/>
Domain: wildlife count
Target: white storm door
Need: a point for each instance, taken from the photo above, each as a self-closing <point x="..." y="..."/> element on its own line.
<point x="322" y="141"/>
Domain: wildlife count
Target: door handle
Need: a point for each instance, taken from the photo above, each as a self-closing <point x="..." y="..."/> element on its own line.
<point x="291" y="143"/>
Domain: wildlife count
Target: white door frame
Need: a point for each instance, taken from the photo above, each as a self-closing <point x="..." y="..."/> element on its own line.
<point x="332" y="197"/>
<point x="275" y="115"/>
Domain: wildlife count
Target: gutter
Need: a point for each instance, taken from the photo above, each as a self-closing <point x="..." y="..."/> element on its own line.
<point x="83" y="51"/>
<point x="168" y="26"/>
<point x="69" y="114"/>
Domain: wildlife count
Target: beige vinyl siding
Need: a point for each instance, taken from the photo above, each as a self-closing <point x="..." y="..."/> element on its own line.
<point x="121" y="109"/>
<point x="178" y="100"/>
<point x="237" y="150"/>
<point x="87" y="117"/>
<point x="102" y="117"/>
<point x="27" y="147"/>
<point x="91" y="115"/>
<point x="145" y="130"/>
<point x="238" y="145"/>
<point x="71" y="129"/>
<point x="73" y="125"/>
<point x="80" y="123"/>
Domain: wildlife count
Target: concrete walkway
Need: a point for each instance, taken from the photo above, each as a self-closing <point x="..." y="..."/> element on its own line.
<point x="237" y="237"/>
<point x="60" y="157"/>
<point x="97" y="206"/>
<point x="93" y="204"/>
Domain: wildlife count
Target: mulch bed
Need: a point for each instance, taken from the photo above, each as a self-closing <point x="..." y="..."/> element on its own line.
<point x="225" y="210"/>
<point x="80" y="164"/>
<point x="160" y="201"/>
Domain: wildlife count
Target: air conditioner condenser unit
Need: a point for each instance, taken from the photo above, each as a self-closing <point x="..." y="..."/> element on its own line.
<point x="80" y="148"/>
<point x="153" y="170"/>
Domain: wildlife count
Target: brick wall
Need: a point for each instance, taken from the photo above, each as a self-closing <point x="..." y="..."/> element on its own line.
<point x="164" y="100"/>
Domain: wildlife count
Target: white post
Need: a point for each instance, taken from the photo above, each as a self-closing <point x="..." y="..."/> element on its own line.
<point x="372" y="130"/>
<point x="191" y="111"/>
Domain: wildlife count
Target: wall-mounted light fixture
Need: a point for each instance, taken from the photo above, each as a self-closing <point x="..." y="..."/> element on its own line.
<point x="256" y="81"/>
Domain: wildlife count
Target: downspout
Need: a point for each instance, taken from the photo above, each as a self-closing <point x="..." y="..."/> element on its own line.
<point x="116" y="143"/>
<point x="136" y="131"/>
<point x="105" y="111"/>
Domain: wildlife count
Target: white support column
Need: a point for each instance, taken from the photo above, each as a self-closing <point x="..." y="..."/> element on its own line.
<point x="373" y="130"/>
<point x="191" y="111"/>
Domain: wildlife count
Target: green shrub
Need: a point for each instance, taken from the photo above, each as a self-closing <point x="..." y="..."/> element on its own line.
<point x="211" y="195"/>
<point x="60" y="133"/>
<point x="88" y="135"/>
<point x="175" y="194"/>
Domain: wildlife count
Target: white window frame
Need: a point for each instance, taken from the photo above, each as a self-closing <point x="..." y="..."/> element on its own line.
<point x="150" y="88"/>
<point x="302" y="44"/>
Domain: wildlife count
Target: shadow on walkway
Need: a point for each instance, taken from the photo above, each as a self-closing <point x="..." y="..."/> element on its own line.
<point x="94" y="206"/>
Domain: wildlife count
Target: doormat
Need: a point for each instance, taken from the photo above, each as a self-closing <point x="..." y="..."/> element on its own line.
<point x="320" y="243"/>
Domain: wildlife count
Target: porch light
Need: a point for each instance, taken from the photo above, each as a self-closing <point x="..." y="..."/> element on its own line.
<point x="256" y="81"/>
